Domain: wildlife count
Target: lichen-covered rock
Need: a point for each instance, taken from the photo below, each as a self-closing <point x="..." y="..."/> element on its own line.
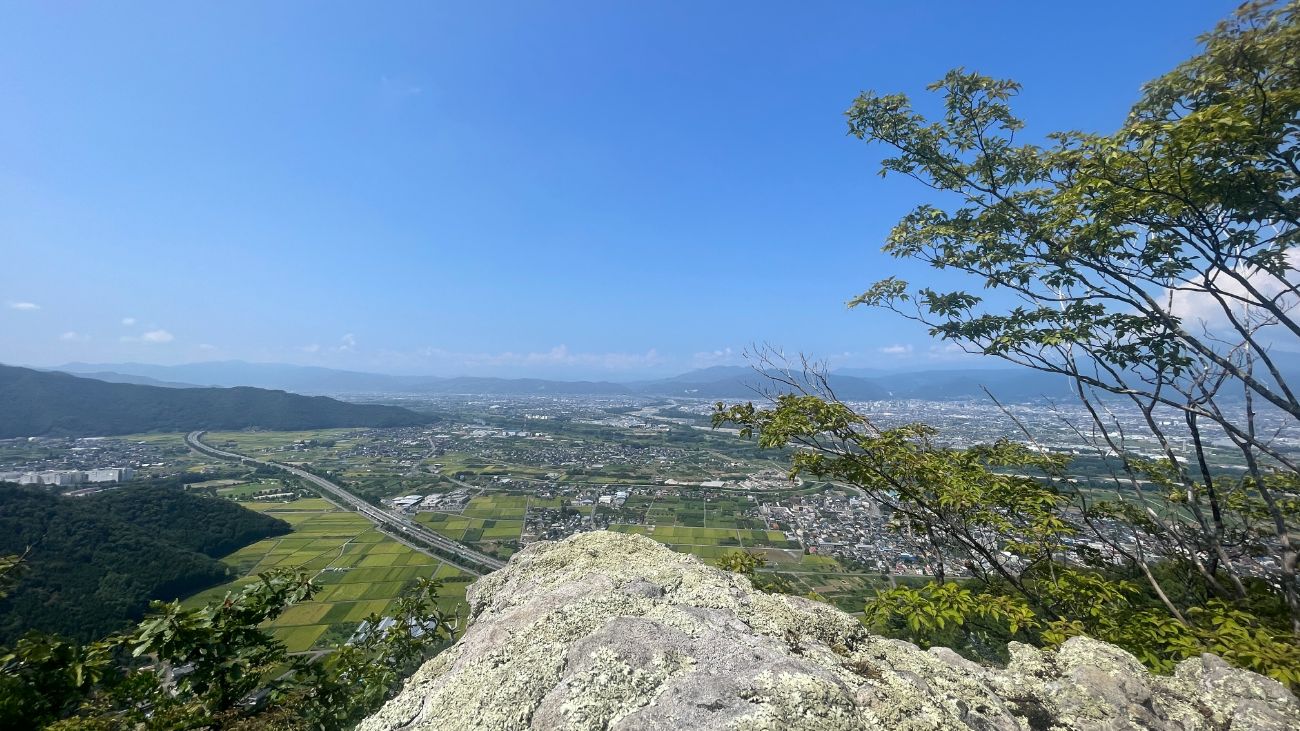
<point x="613" y="631"/>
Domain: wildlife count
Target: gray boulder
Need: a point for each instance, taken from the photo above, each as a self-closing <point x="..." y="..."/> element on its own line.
<point x="613" y="631"/>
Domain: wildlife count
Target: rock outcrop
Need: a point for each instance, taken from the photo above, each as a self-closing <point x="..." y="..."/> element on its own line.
<point x="613" y="631"/>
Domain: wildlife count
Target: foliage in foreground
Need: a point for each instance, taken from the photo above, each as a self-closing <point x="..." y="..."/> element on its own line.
<point x="1155" y="269"/>
<point x="748" y="563"/>
<point x="215" y="667"/>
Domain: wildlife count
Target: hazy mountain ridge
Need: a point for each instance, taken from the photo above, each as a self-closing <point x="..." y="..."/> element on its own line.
<point x="274" y="376"/>
<point x="727" y="382"/>
<point x="35" y="403"/>
<point x="112" y="377"/>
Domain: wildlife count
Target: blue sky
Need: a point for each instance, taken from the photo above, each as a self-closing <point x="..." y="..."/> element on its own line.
<point x="604" y="189"/>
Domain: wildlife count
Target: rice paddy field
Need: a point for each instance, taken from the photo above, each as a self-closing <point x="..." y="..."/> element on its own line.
<point x="370" y="463"/>
<point x="242" y="489"/>
<point x="361" y="572"/>
<point x="685" y="518"/>
<point x="265" y="441"/>
<point x="487" y="522"/>
<point x="806" y="573"/>
<point x="682" y="510"/>
<point x="721" y="540"/>
<point x="493" y="517"/>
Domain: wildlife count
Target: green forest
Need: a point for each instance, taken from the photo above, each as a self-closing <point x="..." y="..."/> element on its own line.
<point x="94" y="563"/>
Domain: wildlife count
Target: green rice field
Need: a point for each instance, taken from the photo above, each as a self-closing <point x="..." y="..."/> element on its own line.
<point x="807" y="573"/>
<point x="487" y="519"/>
<point x="360" y="570"/>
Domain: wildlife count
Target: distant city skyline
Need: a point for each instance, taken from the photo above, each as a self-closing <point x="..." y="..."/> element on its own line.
<point x="559" y="190"/>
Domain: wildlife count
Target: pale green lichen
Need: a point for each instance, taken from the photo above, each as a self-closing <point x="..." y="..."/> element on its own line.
<point x="606" y="630"/>
<point x="611" y="689"/>
<point x="788" y="702"/>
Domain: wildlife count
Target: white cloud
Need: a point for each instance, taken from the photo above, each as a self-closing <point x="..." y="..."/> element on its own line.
<point x="313" y="348"/>
<point x="207" y="346"/>
<point x="153" y="336"/>
<point x="128" y="321"/>
<point x="947" y="351"/>
<point x="897" y="349"/>
<point x="73" y="336"/>
<point x="1194" y="303"/>
<point x="722" y="356"/>
<point x="347" y="343"/>
<point x="24" y="306"/>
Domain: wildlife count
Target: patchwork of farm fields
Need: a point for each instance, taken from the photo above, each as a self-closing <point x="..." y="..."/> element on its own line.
<point x="487" y="522"/>
<point x="361" y="572"/>
<point x="804" y="573"/>
<point x="504" y="514"/>
<point x="712" y="543"/>
<point x="492" y="518"/>
<point x="679" y="510"/>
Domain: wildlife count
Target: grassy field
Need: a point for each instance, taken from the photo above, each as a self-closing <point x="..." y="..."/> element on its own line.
<point x="676" y="510"/>
<point x="488" y="522"/>
<point x="253" y="441"/>
<point x="403" y="469"/>
<point x="493" y="521"/>
<point x="710" y="544"/>
<point x="241" y="489"/>
<point x="806" y="573"/>
<point x="361" y="571"/>
<point x="509" y="507"/>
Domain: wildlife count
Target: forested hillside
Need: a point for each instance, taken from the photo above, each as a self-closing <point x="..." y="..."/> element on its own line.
<point x="97" y="561"/>
<point x="35" y="403"/>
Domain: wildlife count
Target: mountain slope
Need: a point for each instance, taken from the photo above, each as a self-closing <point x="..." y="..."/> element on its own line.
<point x="1007" y="384"/>
<point x="34" y="403"/>
<point x="717" y="382"/>
<point x="745" y="383"/>
<point x="96" y="561"/>
<point x="113" y="377"/>
<point x="317" y="380"/>
<point x="278" y="376"/>
<point x="524" y="386"/>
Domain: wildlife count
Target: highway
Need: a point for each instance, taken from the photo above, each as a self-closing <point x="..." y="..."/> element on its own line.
<point x="461" y="556"/>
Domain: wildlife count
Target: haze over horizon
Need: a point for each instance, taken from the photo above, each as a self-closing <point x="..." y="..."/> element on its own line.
<point x="157" y="370"/>
<point x="565" y="191"/>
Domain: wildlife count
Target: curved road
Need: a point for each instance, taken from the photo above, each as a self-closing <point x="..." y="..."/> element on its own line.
<point x="464" y="557"/>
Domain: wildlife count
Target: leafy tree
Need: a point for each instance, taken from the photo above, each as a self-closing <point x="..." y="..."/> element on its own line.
<point x="1154" y="268"/>
<point x="215" y="667"/>
<point x="355" y="680"/>
<point x="748" y="563"/>
<point x="745" y="563"/>
<point x="11" y="566"/>
<point x="180" y="668"/>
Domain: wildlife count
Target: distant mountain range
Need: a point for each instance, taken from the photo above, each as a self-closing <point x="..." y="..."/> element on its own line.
<point x="127" y="378"/>
<point x="36" y="403"/>
<point x="723" y="382"/>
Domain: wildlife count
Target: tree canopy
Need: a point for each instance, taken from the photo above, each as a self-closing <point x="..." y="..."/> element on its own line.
<point x="1154" y="267"/>
<point x="216" y="667"/>
<point x="92" y="564"/>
